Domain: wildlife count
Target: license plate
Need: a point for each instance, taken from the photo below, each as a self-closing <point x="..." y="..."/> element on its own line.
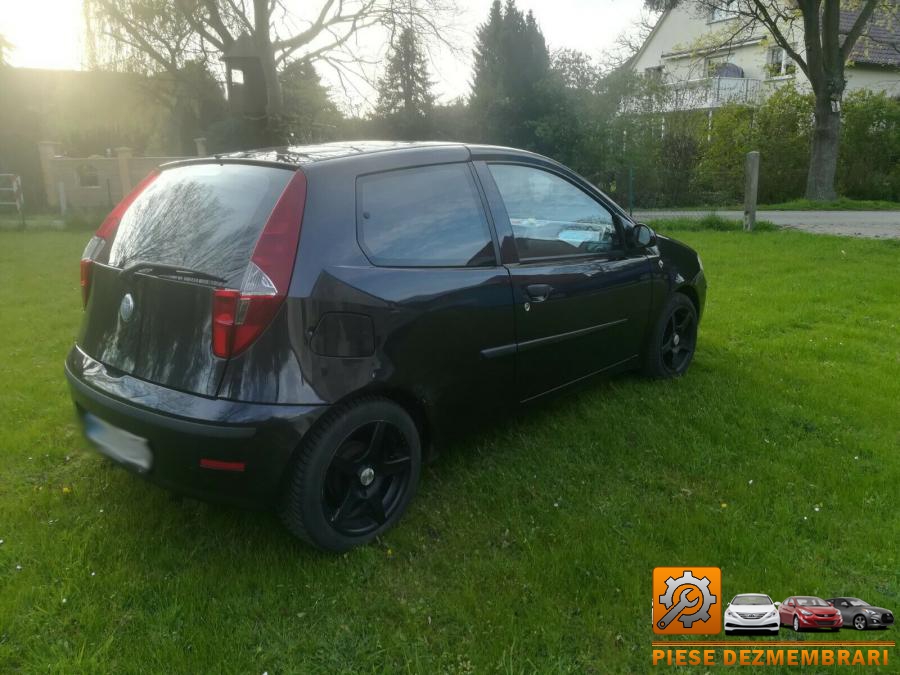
<point x="117" y="444"/>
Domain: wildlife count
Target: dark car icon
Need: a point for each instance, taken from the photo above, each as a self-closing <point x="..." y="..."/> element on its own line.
<point x="805" y="612"/>
<point x="861" y="615"/>
<point x="297" y="327"/>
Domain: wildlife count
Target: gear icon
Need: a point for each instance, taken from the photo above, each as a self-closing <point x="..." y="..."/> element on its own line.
<point x="688" y="579"/>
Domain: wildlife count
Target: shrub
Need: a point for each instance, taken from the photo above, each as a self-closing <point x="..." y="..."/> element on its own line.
<point x="869" y="161"/>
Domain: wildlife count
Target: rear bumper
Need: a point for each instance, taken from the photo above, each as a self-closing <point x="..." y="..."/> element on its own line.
<point x="247" y="447"/>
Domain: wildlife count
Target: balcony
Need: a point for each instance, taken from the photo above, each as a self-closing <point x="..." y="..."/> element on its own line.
<point x="711" y="92"/>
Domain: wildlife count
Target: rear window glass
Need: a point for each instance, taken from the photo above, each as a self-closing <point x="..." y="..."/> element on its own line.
<point x="424" y="217"/>
<point x="205" y="217"/>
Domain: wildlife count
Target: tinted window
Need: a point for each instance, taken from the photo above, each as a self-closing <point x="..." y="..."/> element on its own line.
<point x="550" y="216"/>
<point x="425" y="217"/>
<point x="205" y="217"/>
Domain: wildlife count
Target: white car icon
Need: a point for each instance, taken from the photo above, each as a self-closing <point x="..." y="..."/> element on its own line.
<point x="752" y="611"/>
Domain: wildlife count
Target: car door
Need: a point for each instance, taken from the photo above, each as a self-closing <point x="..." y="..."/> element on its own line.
<point x="785" y="612"/>
<point x="581" y="296"/>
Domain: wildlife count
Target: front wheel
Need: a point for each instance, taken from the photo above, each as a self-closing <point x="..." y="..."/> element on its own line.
<point x="796" y="625"/>
<point x="670" y="347"/>
<point x="354" y="476"/>
<point x="859" y="622"/>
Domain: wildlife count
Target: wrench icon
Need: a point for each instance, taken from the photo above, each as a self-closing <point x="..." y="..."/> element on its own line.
<point x="683" y="603"/>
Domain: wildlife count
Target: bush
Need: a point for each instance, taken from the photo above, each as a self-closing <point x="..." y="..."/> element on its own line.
<point x="869" y="161"/>
<point x="781" y="133"/>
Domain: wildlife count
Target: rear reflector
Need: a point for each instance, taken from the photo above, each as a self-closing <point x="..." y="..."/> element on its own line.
<point x="105" y="234"/>
<point x="240" y="317"/>
<point x="219" y="465"/>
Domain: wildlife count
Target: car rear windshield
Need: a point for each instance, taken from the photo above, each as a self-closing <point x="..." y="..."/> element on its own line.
<point x="202" y="217"/>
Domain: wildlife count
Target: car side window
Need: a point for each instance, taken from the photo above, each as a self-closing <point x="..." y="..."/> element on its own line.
<point x="429" y="216"/>
<point x="550" y="216"/>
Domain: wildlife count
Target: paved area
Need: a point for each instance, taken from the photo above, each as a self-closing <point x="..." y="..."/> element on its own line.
<point x="873" y="224"/>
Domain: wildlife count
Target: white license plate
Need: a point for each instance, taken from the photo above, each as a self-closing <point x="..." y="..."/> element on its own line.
<point x="117" y="444"/>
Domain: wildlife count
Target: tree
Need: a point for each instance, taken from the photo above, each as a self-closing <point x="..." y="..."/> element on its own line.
<point x="5" y="46"/>
<point x="310" y="114"/>
<point x="511" y="63"/>
<point x="161" y="34"/>
<point x="405" y="100"/>
<point x="826" y="49"/>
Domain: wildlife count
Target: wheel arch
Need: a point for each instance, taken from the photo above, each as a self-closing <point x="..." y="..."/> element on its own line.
<point x="691" y="293"/>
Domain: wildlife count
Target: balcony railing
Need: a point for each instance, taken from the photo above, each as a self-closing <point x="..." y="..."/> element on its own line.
<point x="712" y="92"/>
<point x="699" y="94"/>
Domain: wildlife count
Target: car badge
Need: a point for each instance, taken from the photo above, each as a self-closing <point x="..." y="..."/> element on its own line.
<point x="126" y="309"/>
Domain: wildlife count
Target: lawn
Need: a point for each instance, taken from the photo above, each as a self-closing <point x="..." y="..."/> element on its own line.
<point x="530" y="545"/>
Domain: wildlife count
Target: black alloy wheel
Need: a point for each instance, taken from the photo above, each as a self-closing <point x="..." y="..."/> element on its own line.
<point x="367" y="479"/>
<point x="671" y="346"/>
<point x="354" y="475"/>
<point x="679" y="340"/>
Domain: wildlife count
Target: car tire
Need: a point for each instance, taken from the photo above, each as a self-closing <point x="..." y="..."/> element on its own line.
<point x="796" y="624"/>
<point x="859" y="622"/>
<point x="670" y="347"/>
<point x="353" y="475"/>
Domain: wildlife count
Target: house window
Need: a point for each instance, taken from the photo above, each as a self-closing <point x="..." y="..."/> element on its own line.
<point x="725" y="9"/>
<point x="88" y="176"/>
<point x="778" y="63"/>
<point x="654" y="73"/>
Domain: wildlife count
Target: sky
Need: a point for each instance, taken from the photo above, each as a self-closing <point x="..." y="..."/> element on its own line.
<point x="588" y="25"/>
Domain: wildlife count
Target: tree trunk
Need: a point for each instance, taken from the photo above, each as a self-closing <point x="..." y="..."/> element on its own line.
<point x="824" y="152"/>
<point x="274" y="95"/>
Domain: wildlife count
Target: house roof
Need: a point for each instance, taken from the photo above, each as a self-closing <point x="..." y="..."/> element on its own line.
<point x="879" y="44"/>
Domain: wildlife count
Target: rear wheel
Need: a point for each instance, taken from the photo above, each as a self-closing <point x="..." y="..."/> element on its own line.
<point x="355" y="475"/>
<point x="670" y="348"/>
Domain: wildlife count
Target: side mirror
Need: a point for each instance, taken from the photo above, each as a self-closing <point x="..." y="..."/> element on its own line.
<point x="777" y="604"/>
<point x="643" y="235"/>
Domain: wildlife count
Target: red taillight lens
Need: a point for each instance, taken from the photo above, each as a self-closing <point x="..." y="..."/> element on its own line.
<point x="239" y="317"/>
<point x="105" y="233"/>
<point x="85" y="280"/>
<point x="224" y="312"/>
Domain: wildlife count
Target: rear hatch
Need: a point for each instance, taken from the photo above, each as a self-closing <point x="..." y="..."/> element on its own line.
<point x="151" y="282"/>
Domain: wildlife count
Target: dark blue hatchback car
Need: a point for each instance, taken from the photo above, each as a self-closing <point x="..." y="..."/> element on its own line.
<point x="296" y="326"/>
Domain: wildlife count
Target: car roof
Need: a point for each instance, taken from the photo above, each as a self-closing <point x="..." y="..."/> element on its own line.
<point x="300" y="155"/>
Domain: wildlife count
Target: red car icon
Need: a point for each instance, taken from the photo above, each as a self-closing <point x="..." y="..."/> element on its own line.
<point x="805" y="612"/>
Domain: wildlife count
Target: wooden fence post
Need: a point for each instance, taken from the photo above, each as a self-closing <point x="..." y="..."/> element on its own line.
<point x="751" y="186"/>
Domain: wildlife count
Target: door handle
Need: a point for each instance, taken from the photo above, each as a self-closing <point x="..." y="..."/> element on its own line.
<point x="539" y="292"/>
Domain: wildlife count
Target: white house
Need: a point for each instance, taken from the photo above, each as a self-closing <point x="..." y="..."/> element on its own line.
<point x="705" y="59"/>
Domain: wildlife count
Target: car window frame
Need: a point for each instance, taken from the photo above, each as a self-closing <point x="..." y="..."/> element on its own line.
<point x="478" y="192"/>
<point x="508" y="249"/>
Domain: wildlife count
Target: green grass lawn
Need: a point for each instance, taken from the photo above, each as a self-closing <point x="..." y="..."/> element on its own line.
<point x="530" y="546"/>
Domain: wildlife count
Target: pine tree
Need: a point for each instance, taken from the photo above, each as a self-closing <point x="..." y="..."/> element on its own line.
<point x="511" y="62"/>
<point x="405" y="100"/>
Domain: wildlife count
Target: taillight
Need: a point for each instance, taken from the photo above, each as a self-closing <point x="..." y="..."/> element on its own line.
<point x="105" y="234"/>
<point x="239" y="317"/>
